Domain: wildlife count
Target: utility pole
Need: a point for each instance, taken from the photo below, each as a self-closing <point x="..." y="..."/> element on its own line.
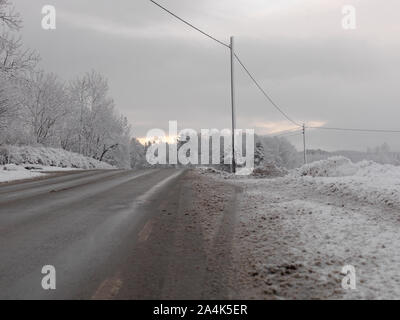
<point x="304" y="143"/>
<point x="233" y="165"/>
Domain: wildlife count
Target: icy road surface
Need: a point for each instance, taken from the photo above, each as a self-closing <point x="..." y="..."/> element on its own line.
<point x="117" y="234"/>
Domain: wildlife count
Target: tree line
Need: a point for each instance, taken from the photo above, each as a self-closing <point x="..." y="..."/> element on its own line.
<point x="38" y="108"/>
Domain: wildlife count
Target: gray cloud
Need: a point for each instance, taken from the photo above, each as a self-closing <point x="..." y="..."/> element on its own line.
<point x="159" y="69"/>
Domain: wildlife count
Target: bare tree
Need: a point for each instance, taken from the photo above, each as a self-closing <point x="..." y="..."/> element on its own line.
<point x="8" y="16"/>
<point x="15" y="62"/>
<point x="14" y="59"/>
<point x="8" y="104"/>
<point x="44" y="103"/>
<point x="4" y="109"/>
<point x="101" y="133"/>
<point x="36" y="107"/>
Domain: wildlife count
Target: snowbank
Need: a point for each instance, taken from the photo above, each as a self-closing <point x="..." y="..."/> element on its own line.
<point x="11" y="172"/>
<point x="214" y="171"/>
<point x="268" y="170"/>
<point x="295" y="233"/>
<point x="49" y="157"/>
<point x="293" y="241"/>
<point x="367" y="181"/>
<point x="332" y="167"/>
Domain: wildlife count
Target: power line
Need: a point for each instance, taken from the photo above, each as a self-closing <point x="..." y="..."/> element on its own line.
<point x="236" y="56"/>
<point x="265" y="93"/>
<point x="355" y="130"/>
<point x="191" y="25"/>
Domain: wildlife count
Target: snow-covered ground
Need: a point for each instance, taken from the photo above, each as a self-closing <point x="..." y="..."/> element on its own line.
<point x="13" y="172"/>
<point x="26" y="162"/>
<point x="365" y="181"/>
<point x="50" y="157"/>
<point x="296" y="233"/>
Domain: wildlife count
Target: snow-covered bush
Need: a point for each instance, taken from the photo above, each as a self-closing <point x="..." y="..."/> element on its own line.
<point x="269" y="170"/>
<point x="380" y="154"/>
<point x="276" y="150"/>
<point x="366" y="181"/>
<point x="332" y="167"/>
<point x="48" y="157"/>
<point x="13" y="167"/>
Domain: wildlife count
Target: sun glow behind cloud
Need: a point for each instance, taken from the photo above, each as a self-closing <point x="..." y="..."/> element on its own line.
<point x="263" y="128"/>
<point x="167" y="139"/>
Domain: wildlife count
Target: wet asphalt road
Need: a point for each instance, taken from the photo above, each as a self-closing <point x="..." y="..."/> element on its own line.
<point x="94" y="228"/>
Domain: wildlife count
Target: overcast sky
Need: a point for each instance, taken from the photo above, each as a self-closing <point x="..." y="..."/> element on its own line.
<point x="159" y="69"/>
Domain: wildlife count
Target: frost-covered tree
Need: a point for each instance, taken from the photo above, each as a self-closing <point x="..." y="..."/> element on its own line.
<point x="44" y="103"/>
<point x="38" y="108"/>
<point x="137" y="154"/>
<point x="99" y="131"/>
<point x="116" y="150"/>
<point x="14" y="58"/>
<point x="8" y="16"/>
<point x="276" y="150"/>
<point x="258" y="153"/>
<point x="15" y="63"/>
<point x="5" y="101"/>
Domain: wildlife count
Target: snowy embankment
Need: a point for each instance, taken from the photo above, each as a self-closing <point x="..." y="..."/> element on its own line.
<point x="27" y="162"/>
<point x="11" y="172"/>
<point x="365" y="181"/>
<point x="295" y="233"/>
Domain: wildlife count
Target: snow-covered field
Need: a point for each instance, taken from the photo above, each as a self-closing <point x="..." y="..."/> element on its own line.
<point x="19" y="163"/>
<point x="296" y="233"/>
